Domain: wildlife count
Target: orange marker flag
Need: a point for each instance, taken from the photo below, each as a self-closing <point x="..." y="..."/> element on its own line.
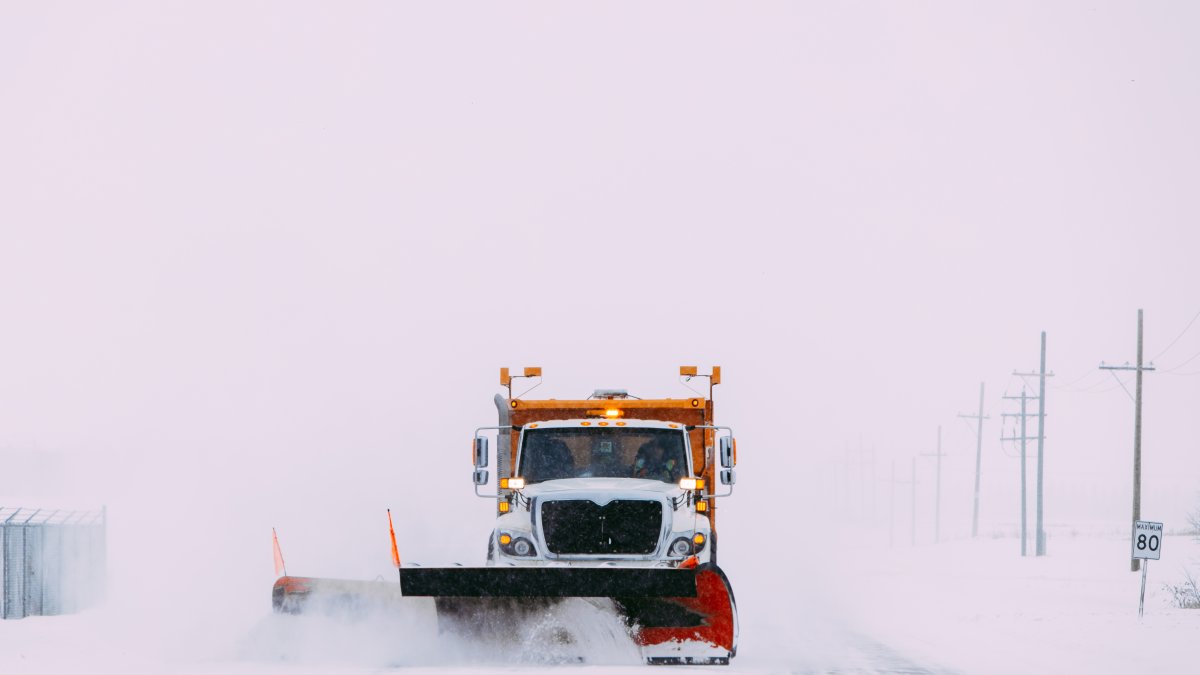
<point x="280" y="567"/>
<point x="395" y="551"/>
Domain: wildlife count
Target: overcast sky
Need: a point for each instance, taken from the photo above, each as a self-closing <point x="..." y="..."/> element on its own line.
<point x="264" y="259"/>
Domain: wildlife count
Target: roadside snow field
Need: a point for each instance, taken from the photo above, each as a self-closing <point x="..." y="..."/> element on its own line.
<point x="978" y="607"/>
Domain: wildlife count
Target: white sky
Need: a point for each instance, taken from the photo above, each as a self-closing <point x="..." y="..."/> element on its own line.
<point x="260" y="262"/>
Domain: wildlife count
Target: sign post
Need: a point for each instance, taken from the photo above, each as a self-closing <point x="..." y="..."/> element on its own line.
<point x="1147" y="546"/>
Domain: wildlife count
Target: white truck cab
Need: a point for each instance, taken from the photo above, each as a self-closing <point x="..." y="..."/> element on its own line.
<point x="598" y="491"/>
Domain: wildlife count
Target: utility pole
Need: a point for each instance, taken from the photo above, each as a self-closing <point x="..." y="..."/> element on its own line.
<point x="1040" y="534"/>
<point x="978" y="456"/>
<point x="892" y="509"/>
<point x="937" y="498"/>
<point x="913" y="510"/>
<point x="1137" y="429"/>
<point x="867" y="506"/>
<point x="1022" y="438"/>
<point x="874" y="489"/>
<point x="892" y="504"/>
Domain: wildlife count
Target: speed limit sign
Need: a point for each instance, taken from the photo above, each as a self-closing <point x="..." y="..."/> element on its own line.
<point x="1147" y="539"/>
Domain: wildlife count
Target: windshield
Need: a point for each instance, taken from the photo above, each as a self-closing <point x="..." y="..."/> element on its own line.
<point x="656" y="454"/>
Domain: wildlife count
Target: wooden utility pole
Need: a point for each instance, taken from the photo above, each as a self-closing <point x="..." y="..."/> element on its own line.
<point x="1137" y="429"/>
<point x="1040" y="528"/>
<point x="892" y="504"/>
<point x="937" y="495"/>
<point x="979" y="418"/>
<point x="1022" y="438"/>
<point x="937" y="504"/>
<point x="913" y="525"/>
<point x="892" y="508"/>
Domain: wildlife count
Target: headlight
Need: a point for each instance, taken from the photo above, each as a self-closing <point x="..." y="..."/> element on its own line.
<point x="681" y="547"/>
<point x="517" y="546"/>
<point x="684" y="546"/>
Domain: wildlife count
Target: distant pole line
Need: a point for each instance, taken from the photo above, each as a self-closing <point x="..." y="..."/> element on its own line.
<point x="979" y="418"/>
<point x="1023" y="438"/>
<point x="1040" y="529"/>
<point x="913" y="525"/>
<point x="892" y="508"/>
<point x="937" y="495"/>
<point x="892" y="504"/>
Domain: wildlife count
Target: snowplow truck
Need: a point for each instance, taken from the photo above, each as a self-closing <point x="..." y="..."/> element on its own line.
<point x="611" y="498"/>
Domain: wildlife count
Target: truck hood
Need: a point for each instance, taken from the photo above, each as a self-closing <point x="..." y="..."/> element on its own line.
<point x="652" y="488"/>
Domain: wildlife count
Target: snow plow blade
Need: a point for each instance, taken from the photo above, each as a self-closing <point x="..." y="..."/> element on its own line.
<point x="675" y="616"/>
<point x="546" y="582"/>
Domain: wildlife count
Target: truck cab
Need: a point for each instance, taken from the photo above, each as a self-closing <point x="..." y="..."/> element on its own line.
<point x="620" y="492"/>
<point x="611" y="480"/>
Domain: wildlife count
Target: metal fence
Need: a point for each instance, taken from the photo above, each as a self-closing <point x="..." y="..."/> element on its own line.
<point x="52" y="561"/>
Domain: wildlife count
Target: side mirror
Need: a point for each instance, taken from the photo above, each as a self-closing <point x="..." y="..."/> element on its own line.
<point x="728" y="477"/>
<point x="480" y="476"/>
<point x="481" y="454"/>
<point x="728" y="448"/>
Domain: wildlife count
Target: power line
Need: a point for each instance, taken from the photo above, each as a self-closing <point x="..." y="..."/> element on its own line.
<point x="1187" y="374"/>
<point x="1067" y="385"/>
<point x="1177" y="366"/>
<point x="1181" y="333"/>
<point x="1131" y="398"/>
<point x="1111" y="387"/>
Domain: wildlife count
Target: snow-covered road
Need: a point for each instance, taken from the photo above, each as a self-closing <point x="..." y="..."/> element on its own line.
<point x="958" y="607"/>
